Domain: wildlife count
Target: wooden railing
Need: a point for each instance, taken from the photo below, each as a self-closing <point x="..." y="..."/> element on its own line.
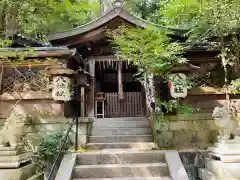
<point x="130" y="106"/>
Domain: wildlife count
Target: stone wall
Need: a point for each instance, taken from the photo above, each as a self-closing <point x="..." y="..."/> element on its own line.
<point x="180" y="131"/>
<point x="49" y="116"/>
<point x="195" y="131"/>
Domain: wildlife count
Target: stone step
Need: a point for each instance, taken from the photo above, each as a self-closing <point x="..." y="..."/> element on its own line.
<point x="123" y="138"/>
<point x="125" y="157"/>
<point x="120" y="131"/>
<point x="134" y="145"/>
<point x="121" y="124"/>
<point x="120" y="170"/>
<point x="223" y="170"/>
<point x="130" y="178"/>
<point x="122" y="119"/>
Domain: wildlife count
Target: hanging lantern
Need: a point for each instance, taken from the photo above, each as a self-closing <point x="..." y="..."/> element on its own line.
<point x="178" y="85"/>
<point x="62" y="84"/>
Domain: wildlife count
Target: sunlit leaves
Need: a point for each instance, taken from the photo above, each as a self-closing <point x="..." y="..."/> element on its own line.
<point x="36" y="18"/>
<point x="148" y="49"/>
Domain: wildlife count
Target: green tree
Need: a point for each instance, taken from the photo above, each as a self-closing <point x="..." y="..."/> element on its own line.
<point x="210" y="21"/>
<point x="36" y="18"/>
<point x="148" y="49"/>
<point x="146" y="9"/>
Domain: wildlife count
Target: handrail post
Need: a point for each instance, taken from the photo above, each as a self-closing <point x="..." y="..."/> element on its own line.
<point x="76" y="135"/>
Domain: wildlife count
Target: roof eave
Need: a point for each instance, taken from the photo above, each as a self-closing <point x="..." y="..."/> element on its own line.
<point x="115" y="12"/>
<point x="35" y="52"/>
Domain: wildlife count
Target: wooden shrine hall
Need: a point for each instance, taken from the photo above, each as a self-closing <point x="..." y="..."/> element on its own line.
<point x="113" y="90"/>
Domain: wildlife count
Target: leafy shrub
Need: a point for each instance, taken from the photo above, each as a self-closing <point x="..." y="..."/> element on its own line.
<point x="48" y="149"/>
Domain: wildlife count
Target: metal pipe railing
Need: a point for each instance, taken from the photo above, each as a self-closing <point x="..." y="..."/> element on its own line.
<point x="60" y="151"/>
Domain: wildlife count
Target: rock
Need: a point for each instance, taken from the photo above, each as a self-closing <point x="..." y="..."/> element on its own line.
<point x="165" y="139"/>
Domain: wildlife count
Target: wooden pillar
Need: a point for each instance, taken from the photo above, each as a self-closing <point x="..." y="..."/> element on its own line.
<point x="1" y="77"/>
<point x="92" y="88"/>
<point x="82" y="100"/>
<point x="120" y="84"/>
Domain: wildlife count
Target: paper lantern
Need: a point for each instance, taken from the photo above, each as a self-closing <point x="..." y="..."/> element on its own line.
<point x="62" y="88"/>
<point x="178" y="85"/>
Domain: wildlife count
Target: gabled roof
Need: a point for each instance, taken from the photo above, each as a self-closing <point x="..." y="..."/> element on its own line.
<point x="116" y="11"/>
<point x="34" y="52"/>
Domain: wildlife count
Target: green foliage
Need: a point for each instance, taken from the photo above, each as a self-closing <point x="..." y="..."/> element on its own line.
<point x="148" y="49"/>
<point x="235" y="86"/>
<point x="38" y="17"/>
<point x="175" y="105"/>
<point x="210" y="20"/>
<point x="146" y="9"/>
<point x="182" y="13"/>
<point x="151" y="51"/>
<point x="48" y="148"/>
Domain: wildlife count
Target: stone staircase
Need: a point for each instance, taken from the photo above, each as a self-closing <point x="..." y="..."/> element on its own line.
<point x="121" y="149"/>
<point x="134" y="132"/>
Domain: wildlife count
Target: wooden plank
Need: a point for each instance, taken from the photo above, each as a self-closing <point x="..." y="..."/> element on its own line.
<point x="127" y="104"/>
<point x="131" y="101"/>
<point x="138" y="107"/>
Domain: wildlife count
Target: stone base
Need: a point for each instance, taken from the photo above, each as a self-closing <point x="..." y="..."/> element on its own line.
<point x="223" y="170"/>
<point x="14" y="161"/>
<point x="22" y="173"/>
<point x="205" y="174"/>
<point x="9" y="151"/>
<point x="227" y="150"/>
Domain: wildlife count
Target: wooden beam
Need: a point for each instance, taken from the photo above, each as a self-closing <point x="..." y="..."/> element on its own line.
<point x="91" y="36"/>
<point x="82" y="100"/>
<point x="105" y="58"/>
